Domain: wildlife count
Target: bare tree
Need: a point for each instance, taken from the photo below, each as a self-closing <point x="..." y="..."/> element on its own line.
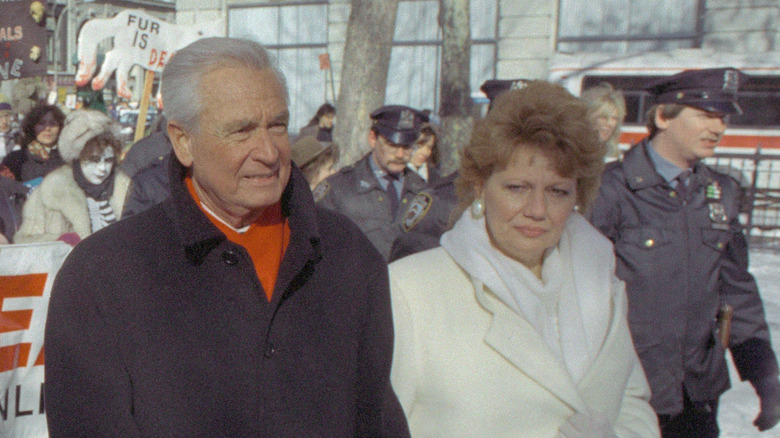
<point x="455" y="81"/>
<point x="364" y="74"/>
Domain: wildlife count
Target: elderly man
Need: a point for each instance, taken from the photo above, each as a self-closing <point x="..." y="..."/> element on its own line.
<point x="681" y="251"/>
<point x="234" y="308"/>
<point x="375" y="190"/>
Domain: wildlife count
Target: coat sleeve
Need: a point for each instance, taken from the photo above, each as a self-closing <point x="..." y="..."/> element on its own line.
<point x="87" y="390"/>
<point x="750" y="343"/>
<point x="375" y="357"/>
<point x="636" y="417"/>
<point x="34" y="221"/>
<point x="606" y="209"/>
<point x="404" y="372"/>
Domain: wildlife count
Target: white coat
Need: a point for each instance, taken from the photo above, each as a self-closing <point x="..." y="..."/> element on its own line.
<point x="58" y="206"/>
<point x="467" y="365"/>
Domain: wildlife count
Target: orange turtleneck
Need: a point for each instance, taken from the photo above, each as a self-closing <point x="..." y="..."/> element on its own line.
<point x="265" y="240"/>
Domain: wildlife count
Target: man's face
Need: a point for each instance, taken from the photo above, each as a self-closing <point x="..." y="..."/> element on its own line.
<point x="5" y="121"/>
<point x="240" y="155"/>
<point x="391" y="157"/>
<point x="692" y="135"/>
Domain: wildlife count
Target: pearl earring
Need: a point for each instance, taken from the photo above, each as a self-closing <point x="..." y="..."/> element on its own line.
<point x="478" y="208"/>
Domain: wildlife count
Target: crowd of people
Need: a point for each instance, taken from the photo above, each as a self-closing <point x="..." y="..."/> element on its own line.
<point x="555" y="285"/>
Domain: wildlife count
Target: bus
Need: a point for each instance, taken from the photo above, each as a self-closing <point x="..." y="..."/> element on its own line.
<point x="757" y="128"/>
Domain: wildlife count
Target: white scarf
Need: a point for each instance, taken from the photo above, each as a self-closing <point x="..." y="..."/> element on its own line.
<point x="570" y="307"/>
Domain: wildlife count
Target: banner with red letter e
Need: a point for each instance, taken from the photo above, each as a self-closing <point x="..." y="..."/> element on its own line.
<point x="26" y="276"/>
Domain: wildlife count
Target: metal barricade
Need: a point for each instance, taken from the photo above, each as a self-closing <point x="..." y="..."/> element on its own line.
<point x="759" y="175"/>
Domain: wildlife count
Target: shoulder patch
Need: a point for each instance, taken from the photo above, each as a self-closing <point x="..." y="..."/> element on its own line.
<point x="320" y="191"/>
<point x="417" y="210"/>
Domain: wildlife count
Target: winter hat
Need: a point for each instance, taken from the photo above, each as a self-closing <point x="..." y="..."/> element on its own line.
<point x="80" y="127"/>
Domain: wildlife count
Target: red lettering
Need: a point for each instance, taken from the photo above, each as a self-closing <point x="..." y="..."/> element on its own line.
<point x="17" y="286"/>
<point x="152" y="57"/>
<point x="163" y="54"/>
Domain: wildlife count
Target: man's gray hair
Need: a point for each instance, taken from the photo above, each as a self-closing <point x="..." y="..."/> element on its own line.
<point x="184" y="72"/>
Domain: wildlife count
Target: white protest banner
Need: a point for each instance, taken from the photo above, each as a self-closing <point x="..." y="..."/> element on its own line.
<point x="26" y="276"/>
<point x="139" y="38"/>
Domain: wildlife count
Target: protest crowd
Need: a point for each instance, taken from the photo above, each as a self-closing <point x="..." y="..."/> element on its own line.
<point x="226" y="280"/>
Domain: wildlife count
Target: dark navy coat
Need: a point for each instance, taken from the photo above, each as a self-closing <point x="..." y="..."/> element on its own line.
<point x="158" y="326"/>
<point x="681" y="259"/>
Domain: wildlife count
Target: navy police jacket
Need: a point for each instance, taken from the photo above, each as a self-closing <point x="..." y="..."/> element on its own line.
<point x="681" y="259"/>
<point x="355" y="192"/>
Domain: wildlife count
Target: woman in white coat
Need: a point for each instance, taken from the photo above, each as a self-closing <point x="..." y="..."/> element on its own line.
<point x="516" y="326"/>
<point x="84" y="195"/>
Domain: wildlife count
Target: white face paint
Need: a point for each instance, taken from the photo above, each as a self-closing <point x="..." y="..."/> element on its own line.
<point x="95" y="172"/>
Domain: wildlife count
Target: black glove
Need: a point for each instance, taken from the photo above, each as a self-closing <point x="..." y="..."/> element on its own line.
<point x="768" y="390"/>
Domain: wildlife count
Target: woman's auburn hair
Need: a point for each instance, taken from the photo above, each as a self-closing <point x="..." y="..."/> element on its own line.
<point x="542" y="116"/>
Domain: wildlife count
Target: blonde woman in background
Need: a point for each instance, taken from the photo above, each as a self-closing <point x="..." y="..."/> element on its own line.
<point x="606" y="110"/>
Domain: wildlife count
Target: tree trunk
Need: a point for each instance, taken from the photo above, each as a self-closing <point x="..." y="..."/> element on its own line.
<point x="364" y="74"/>
<point x="455" y="110"/>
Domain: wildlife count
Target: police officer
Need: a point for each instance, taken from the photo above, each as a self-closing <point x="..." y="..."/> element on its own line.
<point x="682" y="253"/>
<point x="374" y="190"/>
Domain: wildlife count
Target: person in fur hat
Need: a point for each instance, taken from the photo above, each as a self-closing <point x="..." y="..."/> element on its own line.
<point x="84" y="195"/>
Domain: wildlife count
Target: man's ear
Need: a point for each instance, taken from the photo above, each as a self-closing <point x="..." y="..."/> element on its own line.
<point x="372" y="139"/>
<point x="182" y="144"/>
<point x="660" y="121"/>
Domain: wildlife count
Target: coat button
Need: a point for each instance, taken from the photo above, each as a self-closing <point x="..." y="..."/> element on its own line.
<point x="649" y="243"/>
<point x="230" y="257"/>
<point x="270" y="350"/>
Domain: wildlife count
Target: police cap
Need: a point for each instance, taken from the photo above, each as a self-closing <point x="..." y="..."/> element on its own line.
<point x="713" y="89"/>
<point x="494" y="87"/>
<point x="5" y="107"/>
<point x="398" y="124"/>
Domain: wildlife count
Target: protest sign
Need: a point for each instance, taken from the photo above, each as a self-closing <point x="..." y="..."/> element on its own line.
<point x="23" y="39"/>
<point x="26" y="276"/>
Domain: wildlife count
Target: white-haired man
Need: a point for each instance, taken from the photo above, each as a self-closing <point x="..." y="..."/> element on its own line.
<point x="236" y="307"/>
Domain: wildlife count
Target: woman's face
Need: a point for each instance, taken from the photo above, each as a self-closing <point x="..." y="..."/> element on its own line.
<point x="422" y="152"/>
<point x="606" y="120"/>
<point x="97" y="169"/>
<point x="47" y="130"/>
<point x="327" y="120"/>
<point x="526" y="206"/>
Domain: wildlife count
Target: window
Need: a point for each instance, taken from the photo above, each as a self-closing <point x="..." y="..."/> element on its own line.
<point x="414" y="75"/>
<point x="628" y="26"/>
<point x="296" y="35"/>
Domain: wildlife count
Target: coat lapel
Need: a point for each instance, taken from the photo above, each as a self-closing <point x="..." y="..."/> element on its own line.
<point x="519" y="343"/>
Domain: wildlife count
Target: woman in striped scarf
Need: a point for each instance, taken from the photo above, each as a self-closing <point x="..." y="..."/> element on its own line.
<point x="87" y="193"/>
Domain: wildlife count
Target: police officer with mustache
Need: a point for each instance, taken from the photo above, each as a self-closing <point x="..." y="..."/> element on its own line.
<point x="373" y="191"/>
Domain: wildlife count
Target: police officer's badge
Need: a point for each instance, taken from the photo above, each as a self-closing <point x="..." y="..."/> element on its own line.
<point x="320" y="191"/>
<point x="718" y="213"/>
<point x="417" y="210"/>
<point x="406" y="120"/>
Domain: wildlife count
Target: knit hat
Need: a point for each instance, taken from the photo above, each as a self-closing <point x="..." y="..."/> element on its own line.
<point x="80" y="127"/>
